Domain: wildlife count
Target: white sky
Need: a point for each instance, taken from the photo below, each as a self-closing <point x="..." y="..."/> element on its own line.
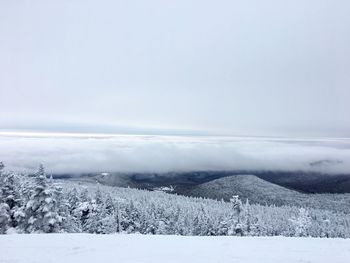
<point x="233" y="67"/>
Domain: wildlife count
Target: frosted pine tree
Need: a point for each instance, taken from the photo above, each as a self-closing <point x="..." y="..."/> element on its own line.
<point x="4" y="208"/>
<point x="98" y="197"/>
<point x="109" y="205"/>
<point x="10" y="195"/>
<point x="236" y="227"/>
<point x="73" y="203"/>
<point x="130" y="218"/>
<point x="4" y="218"/>
<point x="97" y="215"/>
<point x="110" y="218"/>
<point x="223" y="227"/>
<point x="67" y="221"/>
<point x="41" y="171"/>
<point x="84" y="208"/>
<point x="73" y="200"/>
<point x="2" y="166"/>
<point x="236" y="204"/>
<point x="84" y="195"/>
<point x="41" y="209"/>
<point x="301" y="223"/>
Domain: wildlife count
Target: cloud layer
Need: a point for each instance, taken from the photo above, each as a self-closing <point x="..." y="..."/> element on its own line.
<point x="84" y="154"/>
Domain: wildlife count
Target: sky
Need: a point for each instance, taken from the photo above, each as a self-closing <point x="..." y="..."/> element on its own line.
<point x="198" y="67"/>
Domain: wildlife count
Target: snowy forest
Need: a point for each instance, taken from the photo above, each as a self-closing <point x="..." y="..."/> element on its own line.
<point x="38" y="204"/>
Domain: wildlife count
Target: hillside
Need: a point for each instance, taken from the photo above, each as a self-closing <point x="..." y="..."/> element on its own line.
<point x="43" y="205"/>
<point x="307" y="182"/>
<point x="247" y="187"/>
<point x="263" y="192"/>
<point x="222" y="185"/>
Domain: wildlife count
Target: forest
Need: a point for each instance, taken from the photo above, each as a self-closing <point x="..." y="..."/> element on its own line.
<point x="37" y="203"/>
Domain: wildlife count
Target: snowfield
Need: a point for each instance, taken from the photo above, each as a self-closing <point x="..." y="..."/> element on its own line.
<point x="147" y="248"/>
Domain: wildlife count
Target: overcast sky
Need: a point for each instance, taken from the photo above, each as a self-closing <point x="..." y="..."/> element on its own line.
<point x="235" y="67"/>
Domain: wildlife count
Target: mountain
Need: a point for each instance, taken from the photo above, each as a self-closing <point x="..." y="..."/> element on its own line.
<point x="309" y="182"/>
<point x="222" y="185"/>
<point x="259" y="191"/>
<point x="247" y="187"/>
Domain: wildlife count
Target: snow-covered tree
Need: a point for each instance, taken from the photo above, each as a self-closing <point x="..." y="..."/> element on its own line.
<point x="41" y="210"/>
<point x="93" y="223"/>
<point x="73" y="200"/>
<point x="41" y="171"/>
<point x="4" y="218"/>
<point x="301" y="223"/>
<point x="11" y="196"/>
<point x="101" y="218"/>
<point x="236" y="204"/>
<point x="235" y="223"/>
<point x="2" y="166"/>
<point x="109" y="205"/>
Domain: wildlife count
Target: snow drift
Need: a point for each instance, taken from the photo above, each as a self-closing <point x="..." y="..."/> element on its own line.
<point x="73" y="248"/>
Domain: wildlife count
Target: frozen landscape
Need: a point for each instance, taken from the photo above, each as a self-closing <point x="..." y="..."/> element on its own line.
<point x="174" y="131"/>
<point x="247" y="218"/>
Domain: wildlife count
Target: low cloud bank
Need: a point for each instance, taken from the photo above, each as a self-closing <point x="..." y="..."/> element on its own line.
<point x="62" y="154"/>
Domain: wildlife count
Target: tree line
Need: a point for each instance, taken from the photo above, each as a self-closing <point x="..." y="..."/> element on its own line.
<point x="38" y="204"/>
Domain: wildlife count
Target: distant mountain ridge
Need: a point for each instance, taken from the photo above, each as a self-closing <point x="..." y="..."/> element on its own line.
<point x="257" y="190"/>
<point x="222" y="185"/>
<point x="307" y="182"/>
<point x="247" y="186"/>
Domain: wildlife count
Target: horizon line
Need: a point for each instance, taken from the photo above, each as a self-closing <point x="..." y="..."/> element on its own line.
<point x="41" y="133"/>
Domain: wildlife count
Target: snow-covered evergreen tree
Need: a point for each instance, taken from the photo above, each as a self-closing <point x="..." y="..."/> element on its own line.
<point x="73" y="200"/>
<point x="2" y="166"/>
<point x="109" y="205"/>
<point x="4" y="218"/>
<point x="10" y="198"/>
<point x="236" y="227"/>
<point x="236" y="204"/>
<point x="301" y="223"/>
<point x="73" y="204"/>
<point x="93" y="223"/>
<point x="10" y="195"/>
<point x="41" y="210"/>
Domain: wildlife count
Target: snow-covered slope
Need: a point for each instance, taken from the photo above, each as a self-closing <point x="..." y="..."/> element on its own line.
<point x="87" y="248"/>
<point x="246" y="186"/>
<point x="259" y="191"/>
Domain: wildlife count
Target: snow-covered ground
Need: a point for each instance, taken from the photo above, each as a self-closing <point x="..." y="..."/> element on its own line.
<point x="145" y="248"/>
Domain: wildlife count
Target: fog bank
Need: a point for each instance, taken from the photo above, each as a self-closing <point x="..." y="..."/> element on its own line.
<point x="84" y="154"/>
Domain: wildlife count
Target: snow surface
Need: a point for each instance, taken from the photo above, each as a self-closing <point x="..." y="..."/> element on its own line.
<point x="145" y="248"/>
